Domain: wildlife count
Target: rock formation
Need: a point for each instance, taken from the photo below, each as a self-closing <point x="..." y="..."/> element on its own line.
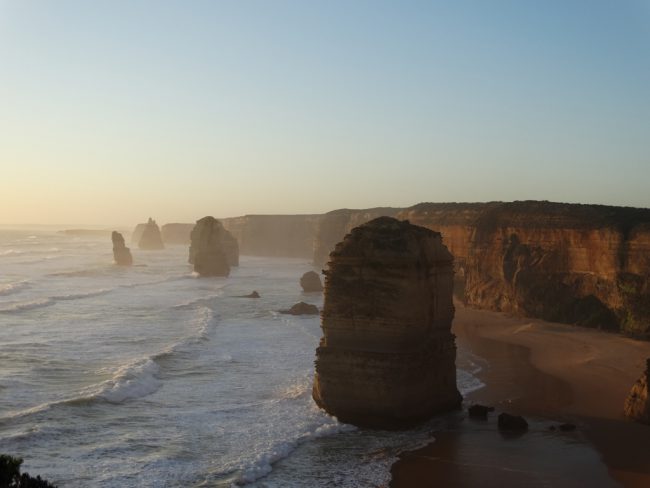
<point x="151" y="238"/>
<point x="310" y="282"/>
<point x="579" y="264"/>
<point x="387" y="355"/>
<point x="253" y="294"/>
<point x="334" y="225"/>
<point x="121" y="253"/>
<point x="512" y="422"/>
<point x="301" y="308"/>
<point x="637" y="404"/>
<point x="230" y="247"/>
<point x="211" y="248"/>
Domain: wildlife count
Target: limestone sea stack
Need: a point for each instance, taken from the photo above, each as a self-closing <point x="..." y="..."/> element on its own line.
<point x="387" y="355"/>
<point x="310" y="282"/>
<point x="151" y="238"/>
<point x="637" y="404"/>
<point x="210" y="248"/>
<point x="121" y="253"/>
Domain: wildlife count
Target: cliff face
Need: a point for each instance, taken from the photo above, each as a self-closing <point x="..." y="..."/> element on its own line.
<point x="637" y="404"/>
<point x="582" y="264"/>
<point x="274" y="235"/>
<point x="334" y="225"/>
<point x="151" y="238"/>
<point x="176" y="233"/>
<point x="387" y="356"/>
<point x="211" y="248"/>
<point x="121" y="253"/>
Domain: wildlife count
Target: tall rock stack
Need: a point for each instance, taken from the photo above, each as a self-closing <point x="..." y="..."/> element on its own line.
<point x="151" y="238"/>
<point x="387" y="355"/>
<point x="637" y="404"/>
<point x="121" y="253"/>
<point x="211" y="248"/>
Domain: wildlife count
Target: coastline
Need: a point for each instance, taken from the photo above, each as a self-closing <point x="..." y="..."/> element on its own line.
<point x="550" y="373"/>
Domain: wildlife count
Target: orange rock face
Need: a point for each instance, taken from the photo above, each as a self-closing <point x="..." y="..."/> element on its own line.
<point x="387" y="356"/>
<point x="578" y="264"/>
<point x="637" y="404"/>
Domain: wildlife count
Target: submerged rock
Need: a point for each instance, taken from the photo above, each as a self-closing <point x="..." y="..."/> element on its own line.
<point x="301" y="308"/>
<point x="387" y="355"/>
<point x="151" y="238"/>
<point x="253" y="294"/>
<point x="310" y="282"/>
<point x="121" y="253"/>
<point x="209" y="248"/>
<point x="512" y="422"/>
<point x="637" y="404"/>
<point x="479" y="411"/>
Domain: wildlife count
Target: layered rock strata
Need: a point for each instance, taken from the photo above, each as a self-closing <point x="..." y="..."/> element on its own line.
<point x="637" y="404"/>
<point x="211" y="250"/>
<point x="310" y="282"/>
<point x="334" y="225"/>
<point x="387" y="355"/>
<point x="151" y="238"/>
<point x="579" y="264"/>
<point x="121" y="253"/>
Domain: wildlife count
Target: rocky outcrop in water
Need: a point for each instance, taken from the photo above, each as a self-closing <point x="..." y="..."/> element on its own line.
<point x="387" y="355"/>
<point x="301" y="308"/>
<point x="121" y="253"/>
<point x="211" y="249"/>
<point x="151" y="238"/>
<point x="310" y="282"/>
<point x="637" y="404"/>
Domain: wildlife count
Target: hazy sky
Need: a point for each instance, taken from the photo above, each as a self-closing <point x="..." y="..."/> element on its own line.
<point x="113" y="111"/>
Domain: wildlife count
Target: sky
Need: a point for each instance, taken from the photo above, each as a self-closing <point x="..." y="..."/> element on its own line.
<point x="114" y="111"/>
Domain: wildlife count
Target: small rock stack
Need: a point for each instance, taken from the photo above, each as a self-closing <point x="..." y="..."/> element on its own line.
<point x="387" y="355"/>
<point x="151" y="238"/>
<point x="310" y="282"/>
<point x="121" y="253"/>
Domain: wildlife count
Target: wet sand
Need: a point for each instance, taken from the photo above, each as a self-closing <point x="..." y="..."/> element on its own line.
<point x="550" y="373"/>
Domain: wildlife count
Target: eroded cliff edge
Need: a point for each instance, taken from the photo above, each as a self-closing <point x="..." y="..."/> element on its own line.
<point x="571" y="263"/>
<point x="387" y="355"/>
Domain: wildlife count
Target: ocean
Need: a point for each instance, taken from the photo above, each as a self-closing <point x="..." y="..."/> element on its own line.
<point x="149" y="376"/>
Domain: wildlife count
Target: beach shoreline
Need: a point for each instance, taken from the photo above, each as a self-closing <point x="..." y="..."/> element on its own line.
<point x="550" y="373"/>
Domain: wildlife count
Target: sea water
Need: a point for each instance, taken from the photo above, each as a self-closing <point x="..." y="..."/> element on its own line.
<point x="148" y="376"/>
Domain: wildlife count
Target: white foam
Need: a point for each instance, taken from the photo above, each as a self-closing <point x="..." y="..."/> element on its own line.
<point x="77" y="296"/>
<point x="30" y="305"/>
<point x="11" y="252"/>
<point x="132" y="380"/>
<point x="261" y="466"/>
<point x="9" y="288"/>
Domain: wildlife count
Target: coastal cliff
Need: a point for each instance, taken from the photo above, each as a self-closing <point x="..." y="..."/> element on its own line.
<point x="334" y="225"/>
<point x="571" y="263"/>
<point x="580" y="264"/>
<point x="387" y="355"/>
<point x="274" y="235"/>
<point x="176" y="233"/>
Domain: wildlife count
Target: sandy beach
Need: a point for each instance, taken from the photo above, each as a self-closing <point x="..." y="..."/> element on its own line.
<point x="550" y="373"/>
